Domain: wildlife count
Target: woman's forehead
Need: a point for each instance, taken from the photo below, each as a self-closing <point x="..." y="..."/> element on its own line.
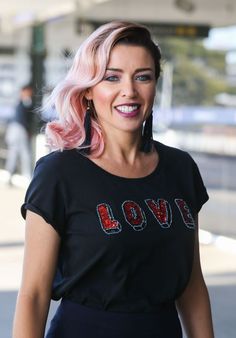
<point x="123" y="54"/>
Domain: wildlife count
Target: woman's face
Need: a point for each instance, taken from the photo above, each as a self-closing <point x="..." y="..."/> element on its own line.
<point x="124" y="98"/>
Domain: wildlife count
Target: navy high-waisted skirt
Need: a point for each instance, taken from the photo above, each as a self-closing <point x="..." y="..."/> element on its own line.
<point x="73" y="320"/>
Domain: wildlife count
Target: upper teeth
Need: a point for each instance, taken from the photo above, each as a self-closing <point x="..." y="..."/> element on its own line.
<point x="127" y="109"/>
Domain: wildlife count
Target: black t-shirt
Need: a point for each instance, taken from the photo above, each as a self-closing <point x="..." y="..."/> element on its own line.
<point x="126" y="243"/>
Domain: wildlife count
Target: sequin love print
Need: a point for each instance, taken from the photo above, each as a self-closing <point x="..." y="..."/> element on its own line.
<point x="135" y="216"/>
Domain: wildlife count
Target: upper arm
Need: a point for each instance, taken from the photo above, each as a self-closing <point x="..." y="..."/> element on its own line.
<point x="196" y="280"/>
<point x="196" y="276"/>
<point x="196" y="269"/>
<point x="194" y="304"/>
<point x="40" y="257"/>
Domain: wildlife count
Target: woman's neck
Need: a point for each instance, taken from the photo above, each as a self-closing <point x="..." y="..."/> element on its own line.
<point x="123" y="148"/>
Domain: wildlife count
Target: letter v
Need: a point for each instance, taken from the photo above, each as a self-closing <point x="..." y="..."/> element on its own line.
<point x="161" y="210"/>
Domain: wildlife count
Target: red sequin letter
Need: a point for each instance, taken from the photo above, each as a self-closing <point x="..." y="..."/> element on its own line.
<point x="107" y="221"/>
<point x="161" y="211"/>
<point x="134" y="215"/>
<point x="185" y="213"/>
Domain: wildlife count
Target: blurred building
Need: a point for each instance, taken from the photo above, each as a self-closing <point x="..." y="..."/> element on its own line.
<point x="64" y="24"/>
<point x="61" y="40"/>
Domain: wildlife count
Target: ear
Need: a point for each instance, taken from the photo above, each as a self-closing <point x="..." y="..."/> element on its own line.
<point x="88" y="94"/>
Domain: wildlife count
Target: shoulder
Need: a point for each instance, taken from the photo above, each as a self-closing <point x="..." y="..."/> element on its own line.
<point x="57" y="161"/>
<point x="58" y="157"/>
<point x="176" y="161"/>
<point x="172" y="154"/>
<point x="19" y="107"/>
<point x="181" y="168"/>
<point x="52" y="170"/>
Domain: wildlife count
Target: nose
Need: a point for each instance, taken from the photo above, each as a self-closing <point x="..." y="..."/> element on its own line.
<point x="128" y="89"/>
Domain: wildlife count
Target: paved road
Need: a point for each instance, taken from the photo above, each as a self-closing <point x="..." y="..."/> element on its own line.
<point x="219" y="266"/>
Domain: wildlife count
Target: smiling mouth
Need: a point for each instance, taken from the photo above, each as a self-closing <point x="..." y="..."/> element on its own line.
<point x="130" y="109"/>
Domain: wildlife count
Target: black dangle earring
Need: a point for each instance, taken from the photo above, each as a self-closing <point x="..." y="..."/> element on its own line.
<point x="87" y="127"/>
<point x="147" y="135"/>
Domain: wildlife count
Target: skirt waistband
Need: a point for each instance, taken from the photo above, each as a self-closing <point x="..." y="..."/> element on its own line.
<point x="162" y="310"/>
<point x="72" y="318"/>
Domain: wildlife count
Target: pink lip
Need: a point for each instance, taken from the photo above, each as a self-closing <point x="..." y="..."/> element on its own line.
<point x="128" y="104"/>
<point x="131" y="114"/>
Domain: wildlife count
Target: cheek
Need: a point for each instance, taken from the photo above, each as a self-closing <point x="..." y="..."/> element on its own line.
<point x="102" y="98"/>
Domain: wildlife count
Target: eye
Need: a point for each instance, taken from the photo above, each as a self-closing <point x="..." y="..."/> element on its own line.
<point x="111" y="78"/>
<point x="143" y="77"/>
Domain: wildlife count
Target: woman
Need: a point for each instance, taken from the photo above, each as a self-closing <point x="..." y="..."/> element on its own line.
<point x="111" y="221"/>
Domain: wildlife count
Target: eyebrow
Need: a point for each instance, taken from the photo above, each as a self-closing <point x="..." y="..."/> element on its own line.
<point x="136" y="71"/>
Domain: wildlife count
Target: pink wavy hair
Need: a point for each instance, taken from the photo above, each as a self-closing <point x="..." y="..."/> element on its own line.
<point x="68" y="97"/>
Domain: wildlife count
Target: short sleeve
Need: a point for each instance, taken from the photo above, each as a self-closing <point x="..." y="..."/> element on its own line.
<point x="199" y="190"/>
<point x="45" y="195"/>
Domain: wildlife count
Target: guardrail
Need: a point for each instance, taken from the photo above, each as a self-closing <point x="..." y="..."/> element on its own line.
<point x="218" y="144"/>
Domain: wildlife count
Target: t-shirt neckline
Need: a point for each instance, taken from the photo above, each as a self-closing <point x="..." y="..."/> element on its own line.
<point x="131" y="179"/>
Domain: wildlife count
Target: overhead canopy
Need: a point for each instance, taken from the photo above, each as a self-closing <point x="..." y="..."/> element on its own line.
<point x="214" y="13"/>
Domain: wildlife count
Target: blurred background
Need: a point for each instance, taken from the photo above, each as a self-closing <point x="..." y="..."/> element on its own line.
<point x="195" y="110"/>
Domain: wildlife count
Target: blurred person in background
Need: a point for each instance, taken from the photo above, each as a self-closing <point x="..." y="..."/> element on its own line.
<point x="18" y="136"/>
<point x="111" y="214"/>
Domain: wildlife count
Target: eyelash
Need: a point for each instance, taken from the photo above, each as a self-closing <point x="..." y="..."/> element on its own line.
<point x="111" y="78"/>
<point x="146" y="77"/>
<point x="114" y="78"/>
